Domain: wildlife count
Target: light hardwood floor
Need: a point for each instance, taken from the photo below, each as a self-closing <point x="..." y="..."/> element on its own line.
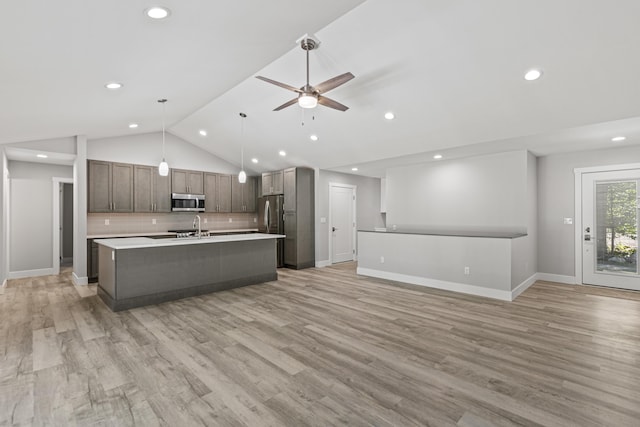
<point x="320" y="347"/>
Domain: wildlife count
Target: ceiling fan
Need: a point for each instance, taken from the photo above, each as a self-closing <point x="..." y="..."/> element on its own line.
<point x="310" y="96"/>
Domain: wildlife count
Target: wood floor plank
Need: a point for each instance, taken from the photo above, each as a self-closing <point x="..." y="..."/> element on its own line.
<point x="320" y="347"/>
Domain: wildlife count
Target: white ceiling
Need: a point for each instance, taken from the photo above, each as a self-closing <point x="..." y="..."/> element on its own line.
<point x="451" y="70"/>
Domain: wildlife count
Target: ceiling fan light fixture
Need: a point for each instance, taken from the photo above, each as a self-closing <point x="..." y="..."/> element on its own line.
<point x="306" y="100"/>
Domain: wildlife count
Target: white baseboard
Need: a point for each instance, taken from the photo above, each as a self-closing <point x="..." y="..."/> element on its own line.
<point x="30" y="273"/>
<point x="548" y="277"/>
<point x="438" y="284"/>
<point x="4" y="283"/>
<point x="322" y="264"/>
<point x="79" y="281"/>
<point x="524" y="286"/>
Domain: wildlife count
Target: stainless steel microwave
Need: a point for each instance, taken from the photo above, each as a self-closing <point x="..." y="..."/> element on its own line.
<point x="187" y="202"/>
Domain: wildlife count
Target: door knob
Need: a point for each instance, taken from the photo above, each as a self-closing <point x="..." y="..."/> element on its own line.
<point x="333" y="229"/>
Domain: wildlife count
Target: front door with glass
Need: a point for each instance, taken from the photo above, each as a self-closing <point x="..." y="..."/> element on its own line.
<point x="610" y="207"/>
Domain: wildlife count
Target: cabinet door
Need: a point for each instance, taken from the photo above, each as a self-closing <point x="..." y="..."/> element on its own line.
<point x="99" y="186"/>
<point x="143" y="188"/>
<point x="195" y="181"/>
<point x="249" y="195"/>
<point x="162" y="192"/>
<point x="267" y="183"/>
<point x="224" y="193"/>
<point x="237" y="190"/>
<point x="122" y="187"/>
<point x="210" y="192"/>
<point x="278" y="182"/>
<point x="290" y="190"/>
<point x="179" y="181"/>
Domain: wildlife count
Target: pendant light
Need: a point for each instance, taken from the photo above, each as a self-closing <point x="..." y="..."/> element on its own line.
<point x="242" y="176"/>
<point x="163" y="167"/>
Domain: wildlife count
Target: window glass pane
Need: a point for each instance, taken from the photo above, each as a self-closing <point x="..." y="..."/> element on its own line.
<point x="617" y="227"/>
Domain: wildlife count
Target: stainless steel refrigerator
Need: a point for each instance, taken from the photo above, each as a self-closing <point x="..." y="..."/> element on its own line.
<point x="271" y="221"/>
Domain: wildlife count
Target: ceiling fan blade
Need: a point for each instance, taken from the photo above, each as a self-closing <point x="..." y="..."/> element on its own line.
<point x="323" y="100"/>
<point x="282" y="85"/>
<point x="286" y="104"/>
<point x="333" y="83"/>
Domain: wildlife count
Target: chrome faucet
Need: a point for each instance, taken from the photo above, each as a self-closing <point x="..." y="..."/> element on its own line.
<point x="199" y="233"/>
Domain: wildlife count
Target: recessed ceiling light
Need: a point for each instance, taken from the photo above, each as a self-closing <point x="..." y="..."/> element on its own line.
<point x="42" y="156"/>
<point x="282" y="153"/>
<point x="157" y="12"/>
<point x="254" y="160"/>
<point x="133" y="125"/>
<point x="618" y="138"/>
<point x="533" y="75"/>
<point x="354" y="169"/>
<point x="313" y="137"/>
<point x="389" y="115"/>
<point x="113" y="85"/>
<point x="437" y="156"/>
<point x="203" y="132"/>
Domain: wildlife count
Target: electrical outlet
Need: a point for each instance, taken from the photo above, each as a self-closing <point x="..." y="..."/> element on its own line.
<point x="205" y="220"/>
<point x="106" y="222"/>
<point x="323" y="220"/>
<point x="255" y="219"/>
<point x="230" y="219"/>
<point x="381" y="260"/>
<point x="466" y="271"/>
<point x="568" y="221"/>
<point x="153" y="221"/>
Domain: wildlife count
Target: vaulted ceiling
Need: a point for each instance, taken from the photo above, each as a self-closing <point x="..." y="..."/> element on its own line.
<point x="450" y="70"/>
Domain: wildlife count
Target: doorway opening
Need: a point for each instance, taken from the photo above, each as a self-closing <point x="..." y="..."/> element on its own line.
<point x="342" y="222"/>
<point x="62" y="224"/>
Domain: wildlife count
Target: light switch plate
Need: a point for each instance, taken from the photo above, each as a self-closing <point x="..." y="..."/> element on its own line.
<point x="568" y="221"/>
<point x="153" y="221"/>
<point x="106" y="222"/>
<point x="230" y="219"/>
<point x="205" y="220"/>
<point x="323" y="220"/>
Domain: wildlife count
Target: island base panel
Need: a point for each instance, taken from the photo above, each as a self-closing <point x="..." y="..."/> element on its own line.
<point x="159" y="298"/>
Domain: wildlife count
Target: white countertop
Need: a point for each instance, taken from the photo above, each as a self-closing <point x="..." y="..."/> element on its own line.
<point x="146" y="242"/>
<point x="162" y="233"/>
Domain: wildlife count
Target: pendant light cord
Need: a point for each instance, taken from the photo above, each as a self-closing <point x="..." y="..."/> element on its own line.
<point x="164" y="112"/>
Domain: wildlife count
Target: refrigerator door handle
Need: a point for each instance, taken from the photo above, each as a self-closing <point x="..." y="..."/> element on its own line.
<point x="266" y="215"/>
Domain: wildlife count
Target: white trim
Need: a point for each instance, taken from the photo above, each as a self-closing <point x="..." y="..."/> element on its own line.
<point x="557" y="278"/>
<point x="578" y="221"/>
<point x="355" y="227"/>
<point x="438" y="284"/>
<point x="4" y="283"/>
<point x="526" y="284"/>
<point x="322" y="264"/>
<point x="56" y="220"/>
<point x="79" y="281"/>
<point x="30" y="273"/>
<point x="609" y="168"/>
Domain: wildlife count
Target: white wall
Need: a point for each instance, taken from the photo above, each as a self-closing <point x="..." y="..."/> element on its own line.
<point x="368" y="213"/>
<point x="146" y="149"/>
<point x="4" y="205"/>
<point x="524" y="255"/>
<point x="484" y="192"/>
<point x="556" y="251"/>
<point x="57" y="145"/>
<point x="31" y="216"/>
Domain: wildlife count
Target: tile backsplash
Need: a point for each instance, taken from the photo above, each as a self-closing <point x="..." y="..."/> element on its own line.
<point x="126" y="223"/>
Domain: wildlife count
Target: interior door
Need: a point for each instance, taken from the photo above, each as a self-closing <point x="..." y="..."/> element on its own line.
<point x="610" y="215"/>
<point x="342" y="224"/>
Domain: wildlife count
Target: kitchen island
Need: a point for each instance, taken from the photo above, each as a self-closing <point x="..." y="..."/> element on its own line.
<point x="140" y="271"/>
